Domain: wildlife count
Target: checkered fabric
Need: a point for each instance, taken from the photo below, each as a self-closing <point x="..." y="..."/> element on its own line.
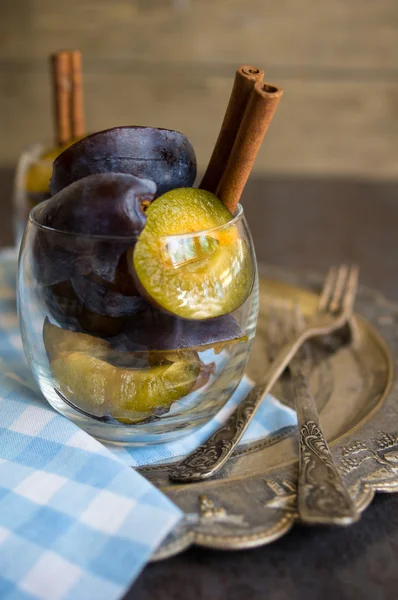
<point x="76" y="522"/>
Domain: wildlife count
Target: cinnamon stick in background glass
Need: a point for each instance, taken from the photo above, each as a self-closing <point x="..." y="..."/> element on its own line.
<point x="78" y="128"/>
<point x="245" y="78"/>
<point x="61" y="74"/>
<point x="68" y="95"/>
<point x="259" y="112"/>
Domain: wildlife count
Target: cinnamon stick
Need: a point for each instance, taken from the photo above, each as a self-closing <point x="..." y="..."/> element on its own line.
<point x="77" y="94"/>
<point x="61" y="72"/>
<point x="245" y="78"/>
<point x="258" y="115"/>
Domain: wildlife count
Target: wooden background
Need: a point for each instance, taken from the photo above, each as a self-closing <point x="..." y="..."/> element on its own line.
<point x="171" y="63"/>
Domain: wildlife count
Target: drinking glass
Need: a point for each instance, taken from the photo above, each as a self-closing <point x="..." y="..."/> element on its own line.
<point x="123" y="369"/>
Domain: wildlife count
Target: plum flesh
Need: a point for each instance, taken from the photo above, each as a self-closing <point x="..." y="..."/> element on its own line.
<point x="82" y="372"/>
<point x="192" y="276"/>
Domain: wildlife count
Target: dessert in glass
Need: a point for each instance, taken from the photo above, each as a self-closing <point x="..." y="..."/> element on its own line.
<point x="33" y="172"/>
<point x="137" y="293"/>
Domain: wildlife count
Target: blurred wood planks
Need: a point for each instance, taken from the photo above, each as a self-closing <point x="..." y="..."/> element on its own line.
<point x="171" y="63"/>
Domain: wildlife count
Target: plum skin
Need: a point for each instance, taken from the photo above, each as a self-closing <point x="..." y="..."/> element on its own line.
<point x="165" y="156"/>
<point x="98" y="205"/>
<point x="65" y="307"/>
<point x="108" y="204"/>
<point x="157" y="330"/>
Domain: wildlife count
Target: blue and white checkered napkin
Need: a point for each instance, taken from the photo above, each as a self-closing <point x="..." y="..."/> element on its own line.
<point x="76" y="522"/>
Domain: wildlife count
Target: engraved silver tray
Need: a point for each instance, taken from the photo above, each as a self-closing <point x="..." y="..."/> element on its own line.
<point x="252" y="501"/>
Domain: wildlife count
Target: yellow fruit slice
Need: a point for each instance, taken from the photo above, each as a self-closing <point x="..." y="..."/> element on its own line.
<point x="100" y="380"/>
<point x="193" y="277"/>
<point x="58" y="341"/>
<point x="99" y="388"/>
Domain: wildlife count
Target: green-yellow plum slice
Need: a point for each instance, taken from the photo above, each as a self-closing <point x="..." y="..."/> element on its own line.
<point x="198" y="276"/>
<point x="99" y="387"/>
<point x="59" y="341"/>
<point x="100" y="380"/>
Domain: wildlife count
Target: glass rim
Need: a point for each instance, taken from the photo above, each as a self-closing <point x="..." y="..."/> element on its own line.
<point x="239" y="214"/>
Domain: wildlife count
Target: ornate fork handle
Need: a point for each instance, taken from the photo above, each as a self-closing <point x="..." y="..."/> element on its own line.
<point x="322" y="496"/>
<point x="213" y="454"/>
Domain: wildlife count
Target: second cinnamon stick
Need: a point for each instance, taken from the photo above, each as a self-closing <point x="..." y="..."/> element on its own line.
<point x="261" y="107"/>
<point x="78" y="128"/>
<point x="245" y="78"/>
<point x="61" y="72"/>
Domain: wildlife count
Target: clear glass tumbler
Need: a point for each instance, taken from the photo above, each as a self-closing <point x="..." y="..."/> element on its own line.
<point x="126" y="370"/>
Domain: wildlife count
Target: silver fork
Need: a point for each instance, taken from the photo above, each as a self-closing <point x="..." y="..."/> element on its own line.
<point x="322" y="497"/>
<point x="334" y="310"/>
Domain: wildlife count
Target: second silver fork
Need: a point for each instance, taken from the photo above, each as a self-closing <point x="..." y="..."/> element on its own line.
<point x="322" y="497"/>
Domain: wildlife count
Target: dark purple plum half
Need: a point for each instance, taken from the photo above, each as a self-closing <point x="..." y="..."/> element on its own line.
<point x="162" y="155"/>
<point x="107" y="204"/>
<point x="132" y="324"/>
<point x="103" y="300"/>
<point x="56" y="257"/>
<point x="62" y="304"/>
<point x="99" y="205"/>
<point x="155" y="330"/>
<point x="67" y="310"/>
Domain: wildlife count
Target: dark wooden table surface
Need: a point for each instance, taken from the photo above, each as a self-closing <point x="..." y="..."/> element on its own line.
<point x="304" y="223"/>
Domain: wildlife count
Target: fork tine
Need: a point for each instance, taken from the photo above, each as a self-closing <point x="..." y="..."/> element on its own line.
<point x="348" y="299"/>
<point x="339" y="289"/>
<point x="297" y="318"/>
<point x="278" y="330"/>
<point x="273" y="333"/>
<point x="327" y="289"/>
<point x="285" y="321"/>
